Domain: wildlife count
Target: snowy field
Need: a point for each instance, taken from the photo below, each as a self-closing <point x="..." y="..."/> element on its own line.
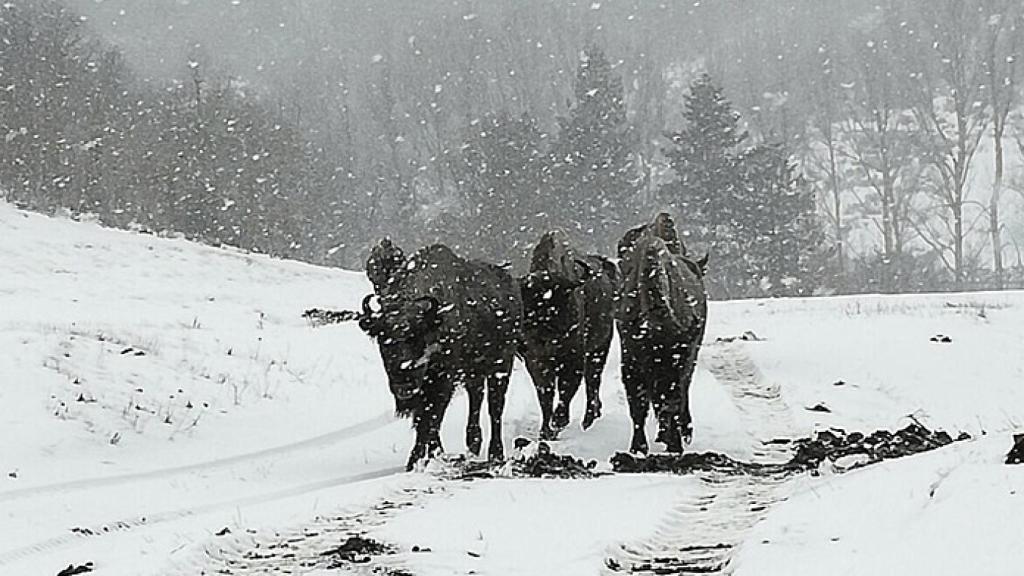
<point x="165" y="409"/>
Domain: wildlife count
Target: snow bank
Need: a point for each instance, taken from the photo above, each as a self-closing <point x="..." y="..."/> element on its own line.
<point x="954" y="511"/>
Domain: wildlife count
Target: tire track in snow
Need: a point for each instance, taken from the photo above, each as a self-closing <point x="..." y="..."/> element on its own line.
<point x="349" y="432"/>
<point x="99" y="530"/>
<point x="698" y="534"/>
<point x="307" y="547"/>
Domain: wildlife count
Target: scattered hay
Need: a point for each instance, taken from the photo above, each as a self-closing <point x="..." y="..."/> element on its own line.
<point x="689" y="463"/>
<point x="531" y="461"/>
<point x="317" y="317"/>
<point x="842" y="450"/>
<point x="835" y="444"/>
<point x="356" y="550"/>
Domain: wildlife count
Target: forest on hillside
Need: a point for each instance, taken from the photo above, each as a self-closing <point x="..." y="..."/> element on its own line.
<point x="810" y="146"/>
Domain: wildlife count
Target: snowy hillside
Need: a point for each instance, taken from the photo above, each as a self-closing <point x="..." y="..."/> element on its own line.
<point x="164" y="409"/>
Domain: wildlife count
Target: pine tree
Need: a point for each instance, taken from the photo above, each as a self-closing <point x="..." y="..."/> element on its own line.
<point x="748" y="206"/>
<point x="593" y="174"/>
<point x="780" y="223"/>
<point x="705" y="157"/>
<point x="499" y="172"/>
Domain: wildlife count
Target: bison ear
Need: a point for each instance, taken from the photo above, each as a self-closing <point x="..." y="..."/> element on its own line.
<point x="371" y="325"/>
<point x="703" y="264"/>
<point x="584" y="271"/>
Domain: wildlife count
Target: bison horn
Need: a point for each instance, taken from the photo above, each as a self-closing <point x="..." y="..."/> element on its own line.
<point x="367" y="310"/>
<point x="584" y="271"/>
<point x="703" y="263"/>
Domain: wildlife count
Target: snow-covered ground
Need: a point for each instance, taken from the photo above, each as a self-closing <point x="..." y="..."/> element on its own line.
<point x="154" y="392"/>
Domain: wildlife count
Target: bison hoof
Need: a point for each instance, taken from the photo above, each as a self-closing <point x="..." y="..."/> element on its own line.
<point x="546" y="433"/>
<point x="639" y="447"/>
<point x="674" y="445"/>
<point x="591" y="415"/>
<point x="496" y="454"/>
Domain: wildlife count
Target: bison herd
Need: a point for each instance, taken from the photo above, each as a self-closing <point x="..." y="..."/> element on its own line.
<point x="441" y="321"/>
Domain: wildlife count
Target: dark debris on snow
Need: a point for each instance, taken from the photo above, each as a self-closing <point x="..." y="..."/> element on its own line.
<point x="356" y="550"/>
<point x="1016" y="454"/>
<point x="834" y="444"/>
<point x="72" y="569"/>
<point x="542" y="464"/>
<point x="807" y="456"/>
<point x="688" y="463"/>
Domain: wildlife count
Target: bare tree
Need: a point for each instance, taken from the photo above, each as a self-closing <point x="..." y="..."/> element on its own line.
<point x="1002" y="57"/>
<point x="876" y="142"/>
<point x="950" y="78"/>
<point x="825" y="96"/>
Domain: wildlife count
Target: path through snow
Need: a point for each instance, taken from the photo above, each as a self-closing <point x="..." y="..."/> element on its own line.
<point x="699" y="533"/>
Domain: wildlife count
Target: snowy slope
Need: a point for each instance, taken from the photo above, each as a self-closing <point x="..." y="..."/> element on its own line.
<point x="880" y="349"/>
<point x="143" y="380"/>
<point x="155" y="392"/>
<point x="954" y="511"/>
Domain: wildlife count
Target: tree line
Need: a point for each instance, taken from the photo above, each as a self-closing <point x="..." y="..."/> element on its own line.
<point x="846" y="164"/>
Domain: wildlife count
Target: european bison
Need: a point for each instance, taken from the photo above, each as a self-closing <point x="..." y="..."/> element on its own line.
<point x="569" y="316"/>
<point x="662" y="314"/>
<point x="445" y="321"/>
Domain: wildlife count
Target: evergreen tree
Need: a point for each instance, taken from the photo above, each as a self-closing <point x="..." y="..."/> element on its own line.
<point x="705" y="157"/>
<point x="59" y="120"/>
<point x="499" y="175"/>
<point x="748" y="206"/>
<point x="593" y="174"/>
<point x="780" y="232"/>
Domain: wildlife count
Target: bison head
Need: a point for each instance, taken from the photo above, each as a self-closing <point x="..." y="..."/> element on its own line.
<point x="407" y="335"/>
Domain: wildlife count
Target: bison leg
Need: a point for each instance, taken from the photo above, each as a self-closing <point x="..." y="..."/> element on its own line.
<point x="474" y="436"/>
<point x="593" y="368"/>
<point x="543" y="381"/>
<point x="570" y="375"/>
<point x="668" y="400"/>
<point x="639" y="404"/>
<point x="437" y="409"/>
<point x="497" y="385"/>
<point x="419" y="447"/>
<point x="685" y="379"/>
<point x="427" y="423"/>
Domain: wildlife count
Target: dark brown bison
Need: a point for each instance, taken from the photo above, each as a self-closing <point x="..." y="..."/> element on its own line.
<point x="662" y="314"/>
<point x="443" y="322"/>
<point x="568" y="320"/>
